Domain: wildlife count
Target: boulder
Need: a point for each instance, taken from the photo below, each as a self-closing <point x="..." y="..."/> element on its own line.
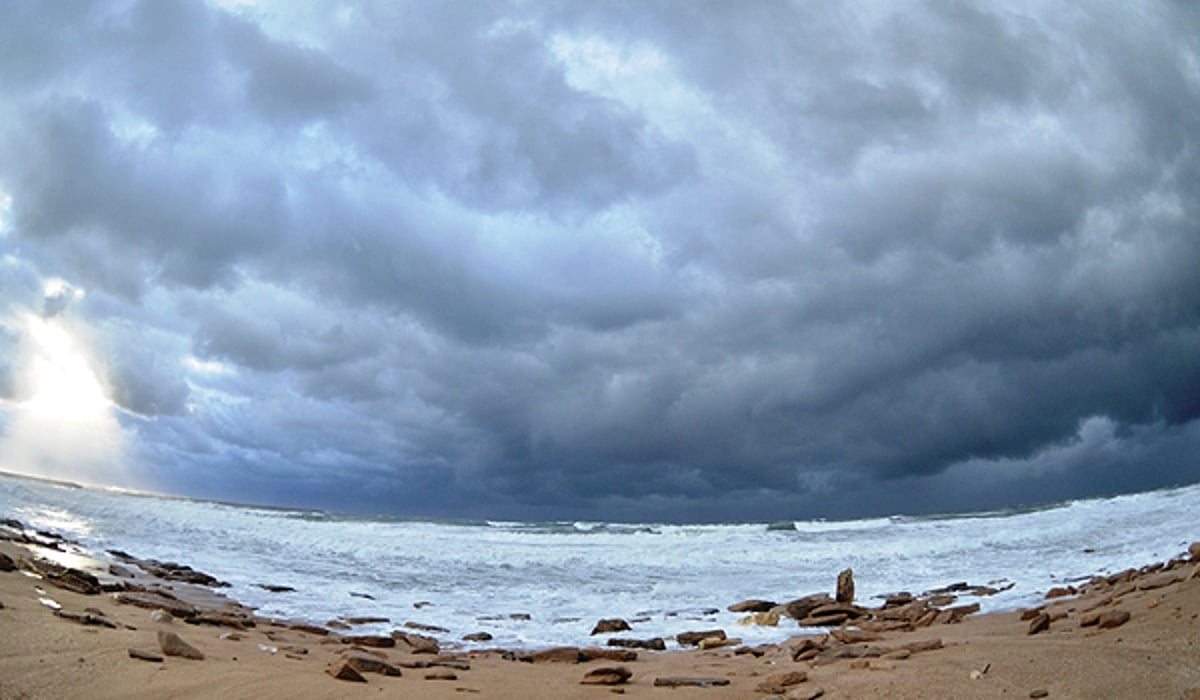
<point x="781" y="683"/>
<point x="761" y="619"/>
<point x="653" y="644"/>
<point x="343" y="670"/>
<point x="807" y="649"/>
<point x="1112" y="618"/>
<point x="692" y="639"/>
<point x="67" y="578"/>
<point x="561" y="655"/>
<point x="418" y="643"/>
<point x="845" y="587"/>
<point x="377" y="641"/>
<point x="7" y="563"/>
<point x="592" y="653"/>
<point x="800" y="608"/>
<point x="369" y="663"/>
<point x="1039" y="623"/>
<point x="752" y="606"/>
<point x="850" y="636"/>
<point x="477" y="637"/>
<point x="607" y="675"/>
<point x="608" y="626"/>
<point x="172" y="645"/>
<point x="1061" y="592"/>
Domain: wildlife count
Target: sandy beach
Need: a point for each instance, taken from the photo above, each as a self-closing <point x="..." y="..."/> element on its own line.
<point x="81" y="627"/>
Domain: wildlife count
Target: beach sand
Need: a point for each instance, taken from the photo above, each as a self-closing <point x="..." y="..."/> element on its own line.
<point x="1154" y="654"/>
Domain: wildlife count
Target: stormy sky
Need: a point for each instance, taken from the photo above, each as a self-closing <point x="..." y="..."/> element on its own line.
<point x="618" y="260"/>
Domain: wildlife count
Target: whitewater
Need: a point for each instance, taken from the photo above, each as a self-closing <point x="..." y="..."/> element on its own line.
<point x="535" y="585"/>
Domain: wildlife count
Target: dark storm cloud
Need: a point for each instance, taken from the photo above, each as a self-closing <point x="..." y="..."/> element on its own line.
<point x="624" y="260"/>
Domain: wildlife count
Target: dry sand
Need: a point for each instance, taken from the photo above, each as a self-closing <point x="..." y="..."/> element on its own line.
<point x="1155" y="654"/>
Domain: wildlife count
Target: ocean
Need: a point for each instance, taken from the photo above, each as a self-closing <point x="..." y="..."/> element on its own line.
<point x="535" y="584"/>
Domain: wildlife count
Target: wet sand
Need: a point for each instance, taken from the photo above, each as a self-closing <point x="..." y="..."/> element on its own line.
<point x="83" y="651"/>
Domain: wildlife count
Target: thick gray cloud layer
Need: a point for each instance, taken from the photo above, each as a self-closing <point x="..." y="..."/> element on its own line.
<point x="618" y="260"/>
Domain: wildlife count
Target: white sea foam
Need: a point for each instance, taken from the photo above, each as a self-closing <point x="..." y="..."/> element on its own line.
<point x="567" y="575"/>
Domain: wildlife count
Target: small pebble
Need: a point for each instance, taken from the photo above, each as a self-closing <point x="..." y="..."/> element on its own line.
<point x="1039" y="693"/>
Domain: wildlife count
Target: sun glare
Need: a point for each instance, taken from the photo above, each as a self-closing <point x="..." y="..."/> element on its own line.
<point x="63" y="427"/>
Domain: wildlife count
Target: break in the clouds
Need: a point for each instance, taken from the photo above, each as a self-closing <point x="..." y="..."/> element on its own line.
<point x="665" y="260"/>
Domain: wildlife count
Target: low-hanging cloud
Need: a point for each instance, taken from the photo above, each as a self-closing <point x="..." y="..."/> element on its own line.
<point x="628" y="260"/>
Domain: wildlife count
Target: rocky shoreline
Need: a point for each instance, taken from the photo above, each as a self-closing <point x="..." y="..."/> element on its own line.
<point x="164" y="610"/>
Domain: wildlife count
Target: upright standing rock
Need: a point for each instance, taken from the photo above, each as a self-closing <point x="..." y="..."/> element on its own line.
<point x="845" y="586"/>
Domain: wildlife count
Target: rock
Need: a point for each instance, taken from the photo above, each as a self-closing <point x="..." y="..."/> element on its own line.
<point x="145" y="656"/>
<point x="569" y="655"/>
<point x="272" y="588"/>
<point x="806" y="649"/>
<point x="592" y="653"/>
<point x="753" y="606"/>
<point x="959" y="612"/>
<point x="86" y="619"/>
<point x="418" y="643"/>
<point x="1194" y="551"/>
<point x="1112" y="618"/>
<point x="67" y="578"/>
<point x="369" y="663"/>
<point x="609" y="626"/>
<point x="337" y="625"/>
<point x="845" y="587"/>
<point x="898" y="599"/>
<point x="781" y="682"/>
<point x="154" y="600"/>
<point x="1160" y="581"/>
<point x="680" y="681"/>
<point x="370" y="640"/>
<point x="1039" y="693"/>
<point x="477" y="637"/>
<point x="161" y="616"/>
<point x="834" y="609"/>
<point x="849" y="636"/>
<point x="172" y="645"/>
<point x="343" y="670"/>
<point x="441" y="674"/>
<point x="607" y="675"/>
<point x="7" y="563"/>
<point x="653" y="644"/>
<point x="368" y="621"/>
<point x="424" y="628"/>
<point x="222" y="619"/>
<point x="761" y="619"/>
<point x="692" y="639"/>
<point x="800" y="608"/>
<point x="1061" y="592"/>
<point x="923" y="645"/>
<point x="309" y="629"/>
<point x="1040" y="623"/>
<point x="1031" y="613"/>
<point x="715" y="643"/>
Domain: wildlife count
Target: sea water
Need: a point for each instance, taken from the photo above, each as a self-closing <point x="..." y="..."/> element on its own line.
<point x="543" y="584"/>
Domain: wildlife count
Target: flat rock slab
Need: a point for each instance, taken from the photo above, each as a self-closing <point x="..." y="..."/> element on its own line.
<point x="145" y="656"/>
<point x="682" y="681"/>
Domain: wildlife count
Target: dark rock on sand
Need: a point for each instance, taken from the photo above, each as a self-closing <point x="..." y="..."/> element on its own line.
<point x="67" y="578"/>
<point x="343" y="670"/>
<point x="610" y="625"/>
<point x="592" y="653"/>
<point x="363" y="662"/>
<point x="753" y="605"/>
<point x="653" y="644"/>
<point x="780" y="683"/>
<point x="845" y="587"/>
<point x="1112" y="618"/>
<point x="153" y="600"/>
<point x="1061" y="592"/>
<point x="679" y="682"/>
<point x="172" y="645"/>
<point x="567" y="655"/>
<point x="607" y="675"/>
<point x="145" y="656"/>
<point x="477" y="637"/>
<point x="86" y="619"/>
<point x="369" y="640"/>
<point x="692" y="639"/>
<point x="7" y="563"/>
<point x="1040" y="623"/>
